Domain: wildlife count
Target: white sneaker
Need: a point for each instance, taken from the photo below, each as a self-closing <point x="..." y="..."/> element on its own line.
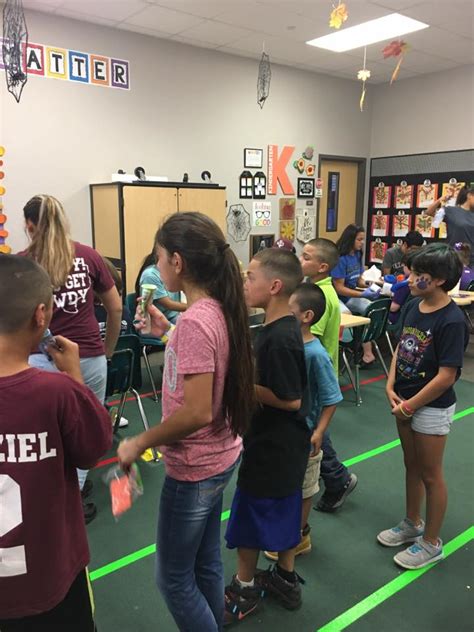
<point x="123" y="423"/>
<point x="419" y="554"/>
<point x="405" y="531"/>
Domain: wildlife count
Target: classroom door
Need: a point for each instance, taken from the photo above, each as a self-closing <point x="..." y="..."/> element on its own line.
<point x="338" y="205"/>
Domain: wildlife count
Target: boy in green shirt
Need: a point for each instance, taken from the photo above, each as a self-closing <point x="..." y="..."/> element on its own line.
<point x="318" y="258"/>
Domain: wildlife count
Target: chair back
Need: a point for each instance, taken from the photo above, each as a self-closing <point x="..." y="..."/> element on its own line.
<point x="124" y="371"/>
<point x="378" y="313"/>
<point x="131" y="303"/>
<point x="470" y="287"/>
<point x="396" y="328"/>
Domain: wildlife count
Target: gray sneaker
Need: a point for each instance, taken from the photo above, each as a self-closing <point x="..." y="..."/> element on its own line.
<point x="419" y="554"/>
<point x="405" y="531"/>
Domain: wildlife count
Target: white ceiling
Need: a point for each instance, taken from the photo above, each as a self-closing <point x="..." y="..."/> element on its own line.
<point x="240" y="27"/>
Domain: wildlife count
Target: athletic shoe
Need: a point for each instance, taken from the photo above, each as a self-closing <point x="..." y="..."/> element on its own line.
<point x="405" y="531"/>
<point x="330" y="501"/>
<point x="288" y="594"/>
<point x="240" y="601"/>
<point x="87" y="489"/>
<point x="303" y="548"/>
<point x="419" y="554"/>
<point x="90" y="511"/>
<point x="113" y="411"/>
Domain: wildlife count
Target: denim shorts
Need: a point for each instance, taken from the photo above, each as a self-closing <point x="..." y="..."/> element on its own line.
<point x="433" y="421"/>
<point x="311" y="477"/>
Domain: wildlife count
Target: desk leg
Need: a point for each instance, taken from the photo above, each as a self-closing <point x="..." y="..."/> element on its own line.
<point x="357" y="347"/>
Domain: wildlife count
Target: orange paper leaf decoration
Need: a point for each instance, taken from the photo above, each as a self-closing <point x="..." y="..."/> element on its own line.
<point x="338" y="16"/>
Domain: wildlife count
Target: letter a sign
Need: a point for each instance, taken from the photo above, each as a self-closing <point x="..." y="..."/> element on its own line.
<point x="277" y="169"/>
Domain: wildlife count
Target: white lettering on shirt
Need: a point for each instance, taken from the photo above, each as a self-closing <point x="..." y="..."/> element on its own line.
<point x="25" y="448"/>
<point x="76" y="288"/>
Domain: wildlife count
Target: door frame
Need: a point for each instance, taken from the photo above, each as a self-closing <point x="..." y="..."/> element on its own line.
<point x="361" y="171"/>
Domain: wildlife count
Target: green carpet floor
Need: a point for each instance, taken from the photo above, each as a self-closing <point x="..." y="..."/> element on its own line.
<point x="346" y="565"/>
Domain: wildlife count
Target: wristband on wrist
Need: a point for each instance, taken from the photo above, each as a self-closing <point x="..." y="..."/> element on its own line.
<point x="408" y="408"/>
<point x="405" y="412"/>
<point x="166" y="336"/>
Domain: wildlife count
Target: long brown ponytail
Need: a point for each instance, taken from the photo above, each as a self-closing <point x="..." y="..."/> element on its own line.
<point x="51" y="245"/>
<point x="211" y="264"/>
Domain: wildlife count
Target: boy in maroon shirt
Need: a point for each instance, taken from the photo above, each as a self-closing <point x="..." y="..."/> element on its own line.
<point x="50" y="424"/>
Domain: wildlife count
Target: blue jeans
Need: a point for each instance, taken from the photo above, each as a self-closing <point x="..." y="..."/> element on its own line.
<point x="94" y="374"/>
<point x="190" y="574"/>
<point x="334" y="474"/>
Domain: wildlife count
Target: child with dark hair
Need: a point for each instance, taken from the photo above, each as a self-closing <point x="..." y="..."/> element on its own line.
<point x="267" y="505"/>
<point x="393" y="259"/>
<point x="467" y="276"/>
<point x="400" y="290"/>
<point x="101" y="312"/>
<point x="424" y="369"/>
<point x="307" y="304"/>
<point x="50" y="424"/>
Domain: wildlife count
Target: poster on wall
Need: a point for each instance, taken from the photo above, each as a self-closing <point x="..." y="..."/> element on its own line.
<point x="381" y="196"/>
<point x="306" y="187"/>
<point x="404" y="195"/>
<point x="378" y="248"/>
<point x="305" y="226"/>
<point x="401" y="224"/>
<point x="262" y="214"/>
<point x="380" y="224"/>
<point x="426" y="194"/>
<point x="287" y="230"/>
<point x="423" y="225"/>
<point x="253" y="158"/>
<point x="287" y="208"/>
<point x="452" y="189"/>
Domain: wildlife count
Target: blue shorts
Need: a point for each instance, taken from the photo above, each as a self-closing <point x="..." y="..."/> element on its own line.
<point x="264" y="524"/>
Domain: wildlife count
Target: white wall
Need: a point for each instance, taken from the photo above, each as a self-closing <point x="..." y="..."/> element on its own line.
<point x="434" y="112"/>
<point x="188" y="109"/>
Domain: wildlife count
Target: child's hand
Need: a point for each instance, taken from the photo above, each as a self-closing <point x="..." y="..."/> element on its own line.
<point x="393" y="398"/>
<point x="396" y="411"/>
<point x="65" y="356"/>
<point x="128" y="452"/>
<point x="159" y="323"/>
<point x="316" y="443"/>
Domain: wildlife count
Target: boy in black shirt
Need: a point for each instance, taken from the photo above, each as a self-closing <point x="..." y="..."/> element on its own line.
<point x="424" y="369"/>
<point x="266" y="510"/>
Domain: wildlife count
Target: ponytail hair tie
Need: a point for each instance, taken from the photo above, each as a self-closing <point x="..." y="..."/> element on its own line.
<point x="223" y="248"/>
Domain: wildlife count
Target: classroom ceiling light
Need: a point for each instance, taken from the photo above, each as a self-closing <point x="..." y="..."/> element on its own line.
<point x="393" y="25"/>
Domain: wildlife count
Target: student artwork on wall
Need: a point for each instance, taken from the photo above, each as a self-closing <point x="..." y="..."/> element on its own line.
<point x="245" y="185"/>
<point x="426" y="194"/>
<point x="452" y="189"/>
<point x="287" y="230"/>
<point x="404" y="195"/>
<point x="4" y="248"/>
<point x="378" y="248"/>
<point x="53" y="62"/>
<point x="260" y="242"/>
<point x="380" y="224"/>
<point x="443" y="231"/>
<point x="262" y="214"/>
<point x="381" y="196"/>
<point x="287" y="208"/>
<point x="423" y="225"/>
<point x="401" y="224"/>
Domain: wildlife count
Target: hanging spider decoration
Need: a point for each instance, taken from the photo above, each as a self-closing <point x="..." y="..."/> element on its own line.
<point x="264" y="79"/>
<point x="238" y="222"/>
<point x="15" y="42"/>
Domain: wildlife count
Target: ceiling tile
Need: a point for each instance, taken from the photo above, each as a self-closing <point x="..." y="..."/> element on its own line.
<point x="201" y="8"/>
<point x="164" y="20"/>
<point x="214" y="33"/>
<point x="32" y="5"/>
<point x="456" y="16"/>
<point x="143" y="30"/>
<point x="94" y="19"/>
<point x="192" y="42"/>
<point x="396" y="5"/>
<point x="115" y="10"/>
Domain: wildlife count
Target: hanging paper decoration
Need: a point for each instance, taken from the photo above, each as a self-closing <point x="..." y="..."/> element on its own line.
<point x="338" y="15"/>
<point x="377" y="251"/>
<point x="246" y="184"/>
<point x="404" y="195"/>
<point x="14" y="43"/>
<point x="382" y="195"/>
<point x="427" y="193"/>
<point x="238" y="222"/>
<point x="397" y="48"/>
<point x="259" y="185"/>
<point x="299" y="165"/>
<point x="264" y="79"/>
<point x="363" y="75"/>
<point x="401" y="224"/>
<point x="380" y="224"/>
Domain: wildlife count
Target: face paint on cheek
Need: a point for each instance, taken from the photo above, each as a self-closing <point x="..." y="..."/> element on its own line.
<point x="422" y="283"/>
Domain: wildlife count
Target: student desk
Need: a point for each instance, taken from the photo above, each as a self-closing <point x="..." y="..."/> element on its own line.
<point x="355" y="322"/>
<point x="462" y="298"/>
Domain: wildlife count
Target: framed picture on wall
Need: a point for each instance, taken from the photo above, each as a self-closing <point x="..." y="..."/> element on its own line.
<point x="253" y="158"/>
<point x="306" y="187"/>
<point x="260" y="242"/>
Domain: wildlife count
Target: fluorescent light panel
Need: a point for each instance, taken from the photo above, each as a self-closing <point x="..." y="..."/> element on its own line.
<point x="370" y="32"/>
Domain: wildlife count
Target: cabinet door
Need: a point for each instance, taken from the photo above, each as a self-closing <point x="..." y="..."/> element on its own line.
<point x="144" y="209"/>
<point x="211" y="202"/>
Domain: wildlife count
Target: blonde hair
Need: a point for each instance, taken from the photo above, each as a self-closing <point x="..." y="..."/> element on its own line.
<point x="51" y="244"/>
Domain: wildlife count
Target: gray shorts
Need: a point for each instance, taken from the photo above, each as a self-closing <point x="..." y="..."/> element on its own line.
<point x="433" y="421"/>
<point x="311" y="477"/>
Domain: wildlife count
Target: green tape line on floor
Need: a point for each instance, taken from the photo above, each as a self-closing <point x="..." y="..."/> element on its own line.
<point x="348" y="617"/>
<point x="149" y="550"/>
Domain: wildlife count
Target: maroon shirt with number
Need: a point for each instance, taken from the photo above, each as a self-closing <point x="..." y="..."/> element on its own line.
<point x="73" y="306"/>
<point x="49" y="425"/>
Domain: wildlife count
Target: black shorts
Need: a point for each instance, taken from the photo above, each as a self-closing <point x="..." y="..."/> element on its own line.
<point x="74" y="613"/>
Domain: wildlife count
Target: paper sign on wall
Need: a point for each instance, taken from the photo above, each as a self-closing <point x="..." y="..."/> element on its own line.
<point x="262" y="214"/>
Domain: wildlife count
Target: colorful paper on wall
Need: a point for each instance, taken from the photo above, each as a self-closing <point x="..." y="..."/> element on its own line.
<point x="262" y="214"/>
<point x="381" y="196"/>
<point x="287" y="230"/>
<point x="404" y="195"/>
<point x="378" y="249"/>
<point x="380" y="225"/>
<point x="401" y="224"/>
<point x="287" y="208"/>
<point x="443" y="231"/>
<point x="423" y="225"/>
<point x="452" y="189"/>
<point x="427" y="193"/>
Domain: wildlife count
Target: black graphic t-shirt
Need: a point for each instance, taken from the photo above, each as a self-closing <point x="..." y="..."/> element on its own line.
<point x="428" y="342"/>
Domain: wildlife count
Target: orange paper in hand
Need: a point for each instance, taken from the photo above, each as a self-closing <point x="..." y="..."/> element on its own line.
<point x="121" y="495"/>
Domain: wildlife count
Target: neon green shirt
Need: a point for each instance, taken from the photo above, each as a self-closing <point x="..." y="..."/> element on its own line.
<point x="327" y="328"/>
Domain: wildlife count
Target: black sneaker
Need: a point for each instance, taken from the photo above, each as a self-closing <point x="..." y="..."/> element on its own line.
<point x="330" y="501"/>
<point x="240" y="601"/>
<point x="288" y="594"/>
<point x="90" y="511"/>
<point x="87" y="489"/>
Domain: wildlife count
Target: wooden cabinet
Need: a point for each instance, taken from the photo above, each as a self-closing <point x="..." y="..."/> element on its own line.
<point x="125" y="217"/>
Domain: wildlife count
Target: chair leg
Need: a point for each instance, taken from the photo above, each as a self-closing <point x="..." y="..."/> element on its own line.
<point x="389" y="341"/>
<point x="150" y="374"/>
<point x="349" y="372"/>
<point x="145" y="423"/>
<point x="121" y="406"/>
<point x="382" y="361"/>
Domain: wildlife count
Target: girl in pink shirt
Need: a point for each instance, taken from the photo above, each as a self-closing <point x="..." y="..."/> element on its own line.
<point x="208" y="399"/>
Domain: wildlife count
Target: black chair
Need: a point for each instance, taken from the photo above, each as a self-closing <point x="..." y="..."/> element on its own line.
<point x="395" y="330"/>
<point x="124" y="377"/>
